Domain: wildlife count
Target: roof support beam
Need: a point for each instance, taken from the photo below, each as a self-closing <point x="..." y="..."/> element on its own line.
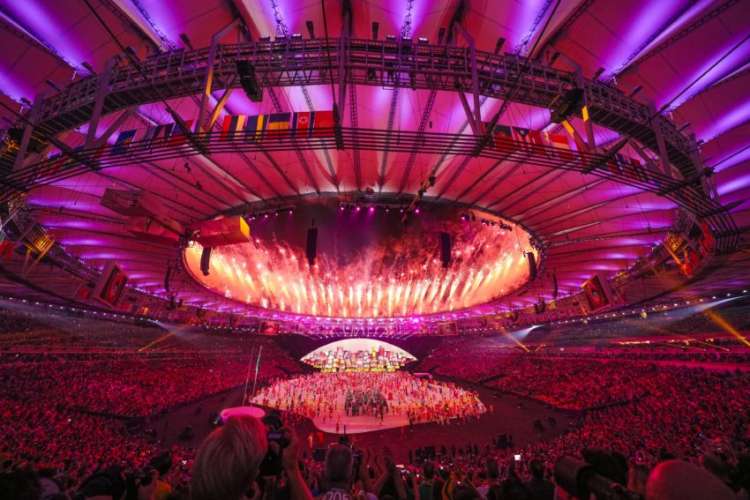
<point x="102" y="90"/>
<point x="208" y="81"/>
<point x="115" y="126"/>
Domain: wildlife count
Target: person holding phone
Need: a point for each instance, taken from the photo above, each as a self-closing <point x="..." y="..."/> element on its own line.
<point x="228" y="462"/>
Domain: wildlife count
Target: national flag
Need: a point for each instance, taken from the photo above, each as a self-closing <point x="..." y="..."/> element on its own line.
<point x="324" y="124"/>
<point x="6" y="249"/>
<point x="278" y="123"/>
<point x="562" y="146"/>
<point x="232" y="124"/>
<point x="638" y="168"/>
<point x="707" y="241"/>
<point x="535" y="137"/>
<point x="254" y="127"/>
<point x="504" y="138"/>
<point x="57" y="161"/>
<point x="121" y="144"/>
<point x="64" y="161"/>
<point x="158" y="132"/>
<point x="302" y="123"/>
<point x="83" y="292"/>
<point x="559" y="141"/>
<point x="177" y="136"/>
<point x="615" y="164"/>
<point x="520" y="133"/>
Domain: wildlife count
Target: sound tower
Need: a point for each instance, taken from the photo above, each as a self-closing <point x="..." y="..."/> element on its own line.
<point x="206" y="260"/>
<point x="445" y="249"/>
<point x="248" y="81"/>
<point x="312" y="245"/>
<point x="532" y="265"/>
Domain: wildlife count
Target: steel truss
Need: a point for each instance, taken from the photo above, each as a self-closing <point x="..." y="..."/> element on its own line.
<point x="385" y="63"/>
<point x="687" y="194"/>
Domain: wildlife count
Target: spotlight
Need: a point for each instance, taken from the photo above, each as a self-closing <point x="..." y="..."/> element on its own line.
<point x="375" y="29"/>
<point x="310" y="29"/>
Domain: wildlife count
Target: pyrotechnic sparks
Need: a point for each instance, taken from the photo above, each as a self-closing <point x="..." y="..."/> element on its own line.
<point x="394" y="276"/>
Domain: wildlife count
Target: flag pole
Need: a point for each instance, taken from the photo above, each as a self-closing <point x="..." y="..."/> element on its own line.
<point x="247" y="378"/>
<point x="257" y="366"/>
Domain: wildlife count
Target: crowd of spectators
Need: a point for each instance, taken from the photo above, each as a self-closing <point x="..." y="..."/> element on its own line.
<point x="60" y="416"/>
<point x="70" y="392"/>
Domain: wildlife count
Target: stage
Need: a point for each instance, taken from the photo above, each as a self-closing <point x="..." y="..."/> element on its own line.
<point x="359" y="402"/>
<point x="505" y="414"/>
<point x="361" y="424"/>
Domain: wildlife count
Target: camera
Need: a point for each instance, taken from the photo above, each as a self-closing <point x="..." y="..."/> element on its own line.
<point x="277" y="441"/>
<point x="582" y="479"/>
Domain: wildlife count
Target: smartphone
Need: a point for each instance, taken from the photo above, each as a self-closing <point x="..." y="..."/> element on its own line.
<point x="517" y="458"/>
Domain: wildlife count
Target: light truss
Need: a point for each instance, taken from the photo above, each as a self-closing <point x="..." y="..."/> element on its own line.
<point x="384" y="63"/>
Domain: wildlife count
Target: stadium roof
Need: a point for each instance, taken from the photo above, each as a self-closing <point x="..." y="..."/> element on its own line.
<point x="686" y="61"/>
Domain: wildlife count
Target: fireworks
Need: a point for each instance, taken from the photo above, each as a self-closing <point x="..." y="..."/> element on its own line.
<point x="396" y="275"/>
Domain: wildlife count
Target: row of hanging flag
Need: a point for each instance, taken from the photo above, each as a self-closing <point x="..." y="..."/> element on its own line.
<point x="321" y="124"/>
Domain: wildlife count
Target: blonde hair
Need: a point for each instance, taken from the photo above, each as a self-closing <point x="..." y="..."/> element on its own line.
<point x="227" y="462"/>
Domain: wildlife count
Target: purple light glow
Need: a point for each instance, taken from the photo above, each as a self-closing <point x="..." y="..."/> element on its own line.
<point x="729" y="161"/>
<point x="643" y="24"/>
<point x="525" y="15"/>
<point x="164" y="18"/>
<point x="739" y="114"/>
<point x="663" y="34"/>
<point x="727" y="65"/>
<point x="398" y="11"/>
<point x="36" y="19"/>
<point x="81" y="242"/>
<point x="69" y="223"/>
<point x="733" y="185"/>
<point x="12" y="88"/>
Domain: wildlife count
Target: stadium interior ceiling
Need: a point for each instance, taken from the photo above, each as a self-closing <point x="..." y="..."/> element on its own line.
<point x="385" y="169"/>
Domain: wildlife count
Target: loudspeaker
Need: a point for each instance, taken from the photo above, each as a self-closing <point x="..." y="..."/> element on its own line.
<point x="248" y="81"/>
<point x="445" y="249"/>
<point x="312" y="245"/>
<point x="554" y="285"/>
<point x="532" y="265"/>
<point x="206" y="260"/>
<point x="564" y="106"/>
<point x="166" y="278"/>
